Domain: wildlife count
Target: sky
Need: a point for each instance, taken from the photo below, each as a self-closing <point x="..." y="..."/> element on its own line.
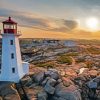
<point x="65" y="19"/>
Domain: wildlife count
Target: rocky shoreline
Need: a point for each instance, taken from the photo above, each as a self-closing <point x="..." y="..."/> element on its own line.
<point x="53" y="85"/>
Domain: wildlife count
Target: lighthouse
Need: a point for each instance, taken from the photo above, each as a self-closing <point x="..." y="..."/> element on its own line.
<point x="12" y="67"/>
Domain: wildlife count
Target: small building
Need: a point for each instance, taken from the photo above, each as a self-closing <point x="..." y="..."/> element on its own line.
<point x="12" y="68"/>
<point x="69" y="43"/>
<point x="49" y="42"/>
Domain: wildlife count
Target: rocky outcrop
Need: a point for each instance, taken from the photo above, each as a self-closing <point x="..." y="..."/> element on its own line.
<point x="38" y="77"/>
<point x="68" y="93"/>
<point x="89" y="87"/>
<point x="8" y="92"/>
<point x="51" y="85"/>
<point x="53" y="73"/>
<point x="1" y="98"/>
<point x="55" y="87"/>
<point x="42" y="95"/>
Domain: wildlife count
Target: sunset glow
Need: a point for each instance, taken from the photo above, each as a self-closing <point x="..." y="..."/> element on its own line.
<point x="92" y="23"/>
<point x="54" y="18"/>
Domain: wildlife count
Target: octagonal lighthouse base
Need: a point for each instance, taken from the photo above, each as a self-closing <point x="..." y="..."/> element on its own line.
<point x="12" y="67"/>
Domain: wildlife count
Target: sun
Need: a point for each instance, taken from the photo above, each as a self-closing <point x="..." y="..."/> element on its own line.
<point x="92" y="23"/>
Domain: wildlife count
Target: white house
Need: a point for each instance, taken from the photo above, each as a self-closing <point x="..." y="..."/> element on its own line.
<point x="12" y="68"/>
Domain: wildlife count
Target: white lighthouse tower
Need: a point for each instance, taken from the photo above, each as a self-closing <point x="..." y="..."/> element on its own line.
<point x="12" y="68"/>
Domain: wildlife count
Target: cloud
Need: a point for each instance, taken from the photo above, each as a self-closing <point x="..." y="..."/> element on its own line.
<point x="27" y="19"/>
<point x="71" y="24"/>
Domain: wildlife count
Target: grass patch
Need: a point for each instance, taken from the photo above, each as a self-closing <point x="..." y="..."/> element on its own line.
<point x="72" y="54"/>
<point x="69" y="54"/>
<point x="64" y="59"/>
<point x="93" y="50"/>
<point x="45" y="64"/>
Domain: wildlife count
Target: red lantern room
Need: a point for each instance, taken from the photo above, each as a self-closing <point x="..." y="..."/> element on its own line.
<point x="9" y="26"/>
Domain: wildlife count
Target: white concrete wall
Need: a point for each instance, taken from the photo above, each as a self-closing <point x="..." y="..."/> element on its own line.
<point x="8" y="63"/>
<point x="25" y="67"/>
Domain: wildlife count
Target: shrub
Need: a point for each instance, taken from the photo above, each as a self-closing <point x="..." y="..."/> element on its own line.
<point x="46" y="64"/>
<point x="65" y="59"/>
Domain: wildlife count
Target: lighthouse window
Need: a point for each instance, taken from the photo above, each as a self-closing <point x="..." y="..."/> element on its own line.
<point x="11" y="42"/>
<point x="0" y="66"/>
<point x="12" y="55"/>
<point x="13" y="70"/>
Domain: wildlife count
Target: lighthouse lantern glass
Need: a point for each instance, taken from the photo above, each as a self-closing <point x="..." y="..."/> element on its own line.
<point x="9" y="26"/>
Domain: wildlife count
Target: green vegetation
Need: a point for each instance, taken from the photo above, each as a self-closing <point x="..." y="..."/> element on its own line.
<point x="65" y="59"/>
<point x="93" y="50"/>
<point x="72" y="54"/>
<point x="69" y="54"/>
<point x="45" y="64"/>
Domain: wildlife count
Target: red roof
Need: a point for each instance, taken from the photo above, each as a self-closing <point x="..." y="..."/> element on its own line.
<point x="9" y="21"/>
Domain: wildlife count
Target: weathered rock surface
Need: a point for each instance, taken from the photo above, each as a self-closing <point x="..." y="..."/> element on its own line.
<point x="42" y="95"/>
<point x="8" y="92"/>
<point x="38" y="77"/>
<point x="53" y="73"/>
<point x="66" y="81"/>
<point x="26" y="81"/>
<point x="45" y="81"/>
<point x="57" y="98"/>
<point x="31" y="94"/>
<point x="91" y="84"/>
<point x="1" y="98"/>
<point x="68" y="93"/>
<point x="93" y="73"/>
<point x="49" y="89"/>
<point x="50" y="85"/>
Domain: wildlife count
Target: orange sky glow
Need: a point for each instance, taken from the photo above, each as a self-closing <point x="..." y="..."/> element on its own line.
<point x="58" y="19"/>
